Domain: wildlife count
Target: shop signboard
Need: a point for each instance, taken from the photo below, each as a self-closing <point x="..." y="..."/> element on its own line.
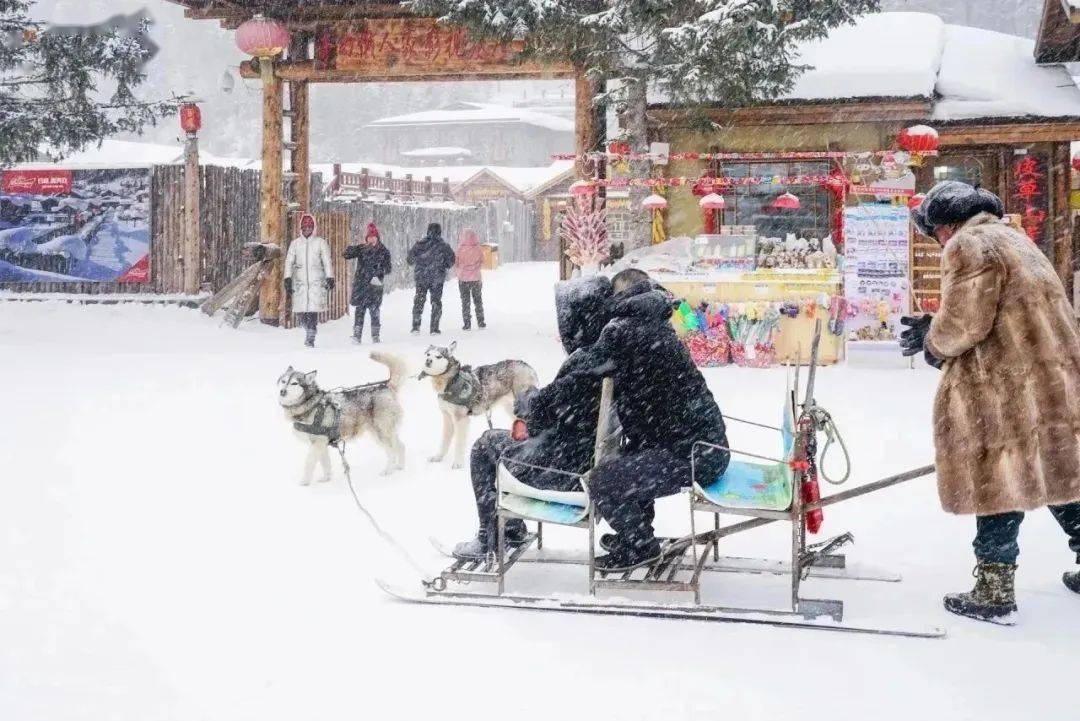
<point x="61" y="225"/>
<point x="1030" y="197"/>
<point x="876" y="286"/>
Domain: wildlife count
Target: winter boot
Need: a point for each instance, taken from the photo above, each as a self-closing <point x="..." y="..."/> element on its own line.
<point x="1072" y="581"/>
<point x="309" y="339"/>
<point x="484" y="543"/>
<point x="624" y="557"/>
<point x="994" y="597"/>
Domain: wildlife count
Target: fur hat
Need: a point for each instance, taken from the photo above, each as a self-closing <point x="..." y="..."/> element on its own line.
<point x="952" y="201"/>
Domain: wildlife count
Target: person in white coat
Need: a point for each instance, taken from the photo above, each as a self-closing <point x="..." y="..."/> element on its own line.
<point x="309" y="276"/>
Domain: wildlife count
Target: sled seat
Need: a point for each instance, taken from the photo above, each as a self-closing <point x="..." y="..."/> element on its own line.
<point x="755" y="484"/>
<point x="565" y="508"/>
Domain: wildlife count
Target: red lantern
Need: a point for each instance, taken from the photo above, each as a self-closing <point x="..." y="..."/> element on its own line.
<point x="190" y="118"/>
<point x="262" y="38"/>
<point x="711" y="205"/>
<point x="619" y="147"/>
<point x="787" y="201"/>
<point x="918" y="139"/>
<point x="654" y="202"/>
<point x="583" y="187"/>
<point x="916" y="200"/>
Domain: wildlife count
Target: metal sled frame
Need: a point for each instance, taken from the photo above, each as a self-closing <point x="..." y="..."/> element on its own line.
<point x="680" y="569"/>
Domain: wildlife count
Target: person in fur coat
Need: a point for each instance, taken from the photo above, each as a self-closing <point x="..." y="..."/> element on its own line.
<point x="309" y="276"/>
<point x="1007" y="411"/>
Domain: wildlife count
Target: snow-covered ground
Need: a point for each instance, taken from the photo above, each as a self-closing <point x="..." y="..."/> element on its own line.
<point x="158" y="559"/>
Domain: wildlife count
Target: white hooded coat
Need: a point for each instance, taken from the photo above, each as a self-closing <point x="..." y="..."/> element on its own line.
<point x="309" y="264"/>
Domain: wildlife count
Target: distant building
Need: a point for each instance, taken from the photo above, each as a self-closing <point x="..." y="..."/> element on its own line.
<point x="492" y="134"/>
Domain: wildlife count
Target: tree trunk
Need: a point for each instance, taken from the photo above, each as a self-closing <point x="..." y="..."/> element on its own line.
<point x="640" y="222"/>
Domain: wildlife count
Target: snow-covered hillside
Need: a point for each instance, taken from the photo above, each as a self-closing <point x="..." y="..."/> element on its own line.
<point x="158" y="559"/>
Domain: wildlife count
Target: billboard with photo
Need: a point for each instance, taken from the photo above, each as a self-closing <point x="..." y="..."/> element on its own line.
<point x="75" y="226"/>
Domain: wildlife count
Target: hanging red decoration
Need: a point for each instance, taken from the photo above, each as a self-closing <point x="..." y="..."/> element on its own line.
<point x="920" y="141"/>
<point x="787" y="201"/>
<point x="916" y="200"/>
<point x="262" y="38"/>
<point x="703" y="185"/>
<point x="583" y="187"/>
<point x="619" y="147"/>
<point x="711" y="206"/>
<point x="654" y="202"/>
<point x="190" y="118"/>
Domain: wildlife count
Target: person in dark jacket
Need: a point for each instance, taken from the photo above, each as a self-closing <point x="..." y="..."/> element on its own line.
<point x="431" y="258"/>
<point x="372" y="266"/>
<point x="561" y="419"/>
<point x="664" y="407"/>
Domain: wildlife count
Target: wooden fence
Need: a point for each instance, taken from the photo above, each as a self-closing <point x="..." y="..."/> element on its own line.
<point x="230" y="218"/>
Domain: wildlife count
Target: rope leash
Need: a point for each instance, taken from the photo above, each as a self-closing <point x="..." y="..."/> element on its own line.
<point x="427" y="581"/>
<point x="823" y="421"/>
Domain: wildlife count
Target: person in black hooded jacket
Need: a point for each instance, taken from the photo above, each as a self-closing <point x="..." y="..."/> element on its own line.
<point x="372" y="266"/>
<point x="431" y="258"/>
<point x="664" y="407"/>
<point x="561" y="419"/>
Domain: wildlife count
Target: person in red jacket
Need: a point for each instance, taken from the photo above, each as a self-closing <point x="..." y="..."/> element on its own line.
<point x="469" y="260"/>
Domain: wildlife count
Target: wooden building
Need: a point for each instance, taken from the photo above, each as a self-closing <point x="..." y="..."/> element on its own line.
<point x="1005" y="120"/>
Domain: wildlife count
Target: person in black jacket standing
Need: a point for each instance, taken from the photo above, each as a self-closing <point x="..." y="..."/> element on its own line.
<point x="664" y="407"/>
<point x="561" y="419"/>
<point x="372" y="266"/>
<point x="431" y="258"/>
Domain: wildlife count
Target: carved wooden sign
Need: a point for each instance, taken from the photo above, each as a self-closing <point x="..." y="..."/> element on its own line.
<point x="410" y="46"/>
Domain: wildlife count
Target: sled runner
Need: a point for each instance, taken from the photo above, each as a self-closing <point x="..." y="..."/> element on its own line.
<point x="763" y="490"/>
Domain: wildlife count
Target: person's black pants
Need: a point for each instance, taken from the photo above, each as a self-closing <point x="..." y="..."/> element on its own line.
<point x="996" y="536"/>
<point x="471" y="289"/>
<point x="484" y="463"/>
<point x="371" y="304"/>
<point x="624" y="489"/>
<point x="422" y="293"/>
<point x="309" y="322"/>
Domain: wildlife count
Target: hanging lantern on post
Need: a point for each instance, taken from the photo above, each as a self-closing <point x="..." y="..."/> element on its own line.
<point x="919" y="141"/>
<point x="656" y="204"/>
<point x="583" y="192"/>
<point x="711" y="205"/>
<point x="262" y="38"/>
<point x="190" y="118"/>
<point x="787" y="201"/>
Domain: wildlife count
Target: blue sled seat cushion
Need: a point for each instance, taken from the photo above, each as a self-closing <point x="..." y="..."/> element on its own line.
<point x="562" y="507"/>
<point x="765" y="486"/>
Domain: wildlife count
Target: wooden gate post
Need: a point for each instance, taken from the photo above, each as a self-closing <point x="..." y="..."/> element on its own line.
<point x="192" y="247"/>
<point x="271" y="194"/>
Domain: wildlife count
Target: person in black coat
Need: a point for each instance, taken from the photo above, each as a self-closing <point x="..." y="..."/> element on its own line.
<point x="431" y="258"/>
<point x="664" y="407"/>
<point x="561" y="419"/>
<point x="372" y="267"/>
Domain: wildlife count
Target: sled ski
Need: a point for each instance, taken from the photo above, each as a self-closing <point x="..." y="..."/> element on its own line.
<point x="723" y="564"/>
<point x="586" y="605"/>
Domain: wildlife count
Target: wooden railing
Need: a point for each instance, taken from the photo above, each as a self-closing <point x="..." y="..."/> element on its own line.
<point x="366" y="183"/>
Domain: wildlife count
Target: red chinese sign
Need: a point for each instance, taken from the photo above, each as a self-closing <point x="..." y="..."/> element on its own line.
<point x="410" y="44"/>
<point x="37" y="182"/>
<point x="1030" y="196"/>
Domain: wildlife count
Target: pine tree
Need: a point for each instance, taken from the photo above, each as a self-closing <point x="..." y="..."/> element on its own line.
<point x="60" y="92"/>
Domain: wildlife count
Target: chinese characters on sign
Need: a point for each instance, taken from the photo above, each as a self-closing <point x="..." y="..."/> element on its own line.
<point x="418" y="44"/>
<point x="1029" y="196"/>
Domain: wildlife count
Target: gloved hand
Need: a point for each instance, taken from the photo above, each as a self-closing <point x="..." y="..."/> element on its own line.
<point x="329" y="283"/>
<point x="932" y="359"/>
<point x="914" y="338"/>
<point x="288" y="286"/>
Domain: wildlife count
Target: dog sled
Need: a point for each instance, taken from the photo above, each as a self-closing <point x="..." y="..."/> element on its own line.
<point x="761" y="490"/>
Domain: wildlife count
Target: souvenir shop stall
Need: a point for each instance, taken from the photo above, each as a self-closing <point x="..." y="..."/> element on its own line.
<point x="787" y="239"/>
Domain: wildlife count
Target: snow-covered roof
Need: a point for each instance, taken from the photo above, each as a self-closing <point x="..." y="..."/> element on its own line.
<point x="965" y="72"/>
<point x="467" y="113"/>
<point x="437" y="152"/>
<point x="523" y="179"/>
<point x="132" y="154"/>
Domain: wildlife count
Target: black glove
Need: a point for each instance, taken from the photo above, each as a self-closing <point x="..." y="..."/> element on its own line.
<point x="932" y="359"/>
<point x="329" y="283"/>
<point x="288" y="286"/>
<point x="914" y="338"/>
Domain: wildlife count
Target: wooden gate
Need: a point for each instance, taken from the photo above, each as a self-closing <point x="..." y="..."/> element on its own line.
<point x="335" y="228"/>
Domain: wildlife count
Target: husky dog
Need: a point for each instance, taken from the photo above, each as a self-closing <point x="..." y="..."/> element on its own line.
<point x="464" y="392"/>
<point x="324" y="417"/>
